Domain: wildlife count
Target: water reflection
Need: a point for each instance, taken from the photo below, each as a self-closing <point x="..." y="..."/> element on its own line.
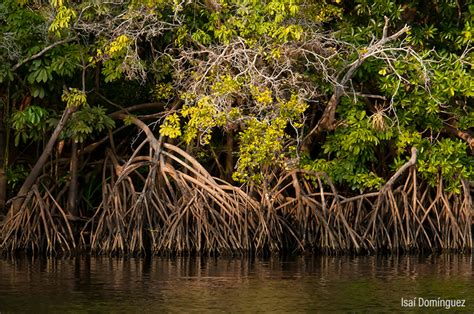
<point x="250" y="285"/>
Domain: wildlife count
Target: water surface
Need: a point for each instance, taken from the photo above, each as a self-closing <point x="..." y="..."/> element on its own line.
<point x="298" y="284"/>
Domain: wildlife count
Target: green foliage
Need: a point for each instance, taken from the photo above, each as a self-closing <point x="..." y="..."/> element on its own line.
<point x="163" y="91"/>
<point x="41" y="72"/>
<point x="324" y="11"/>
<point x="20" y="28"/>
<point x="447" y="160"/>
<point x="407" y="139"/>
<point x="202" y="117"/>
<point x="62" y="19"/>
<point x="30" y="124"/>
<point x="114" y="54"/>
<point x="188" y="53"/>
<point x="65" y="60"/>
<point x="426" y="94"/>
<point x="128" y="120"/>
<point x="466" y="121"/>
<point x="23" y="35"/>
<point x="351" y="150"/>
<point x="345" y="171"/>
<point x="33" y="122"/>
<point x="226" y="85"/>
<point x="170" y="126"/>
<point x="6" y="74"/>
<point x="261" y="145"/>
<point x="262" y="141"/>
<point x="252" y="20"/>
<point x="16" y="175"/>
<point x="86" y="121"/>
<point x="358" y="136"/>
<point x="74" y="98"/>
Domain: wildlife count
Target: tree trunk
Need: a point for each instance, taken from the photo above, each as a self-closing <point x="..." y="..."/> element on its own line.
<point x="36" y="171"/>
<point x="3" y="162"/>
<point x="72" y="195"/>
<point x="3" y="190"/>
<point x="3" y="177"/>
<point x="229" y="158"/>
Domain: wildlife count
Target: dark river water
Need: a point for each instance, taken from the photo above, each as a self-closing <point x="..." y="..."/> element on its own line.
<point x="297" y="284"/>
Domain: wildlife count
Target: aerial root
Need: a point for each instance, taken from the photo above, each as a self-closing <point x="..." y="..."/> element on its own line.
<point x="161" y="200"/>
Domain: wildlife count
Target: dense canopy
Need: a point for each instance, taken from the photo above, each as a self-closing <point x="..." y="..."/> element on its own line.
<point x="128" y="125"/>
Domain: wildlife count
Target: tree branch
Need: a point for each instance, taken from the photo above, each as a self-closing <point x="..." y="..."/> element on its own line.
<point x="327" y="120"/>
<point x="42" y="52"/>
<point x="149" y="134"/>
<point x="465" y="135"/>
<point x="408" y="164"/>
<point x="117" y="114"/>
<point x="30" y="180"/>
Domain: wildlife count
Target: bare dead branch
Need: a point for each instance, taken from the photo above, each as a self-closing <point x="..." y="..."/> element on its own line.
<point x="327" y="120"/>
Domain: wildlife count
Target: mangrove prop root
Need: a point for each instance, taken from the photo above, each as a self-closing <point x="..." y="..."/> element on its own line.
<point x="181" y="208"/>
<point x="162" y="200"/>
<point x="40" y="225"/>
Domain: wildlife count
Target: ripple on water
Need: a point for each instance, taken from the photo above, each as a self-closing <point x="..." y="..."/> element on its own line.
<point x="297" y="284"/>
